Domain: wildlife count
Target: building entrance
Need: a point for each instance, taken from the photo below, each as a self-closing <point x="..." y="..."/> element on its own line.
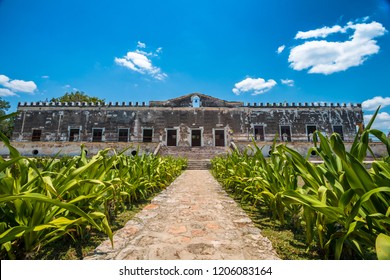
<point x="171" y="137"/>
<point x="196" y="138"/>
<point x="219" y="136"/>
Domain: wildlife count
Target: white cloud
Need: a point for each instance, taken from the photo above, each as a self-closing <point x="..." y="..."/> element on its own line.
<point x="159" y="50"/>
<point x="327" y="57"/>
<point x="22" y="86"/>
<point x="45" y="77"/>
<point x="321" y="32"/>
<point x="17" y="85"/>
<point x="281" y="49"/>
<point x="287" y="82"/>
<point x="138" y="61"/>
<point x="3" y="79"/>
<point x="374" y="103"/>
<point x="141" y="45"/>
<point x="257" y="86"/>
<point x="7" y="92"/>
<point x="382" y="121"/>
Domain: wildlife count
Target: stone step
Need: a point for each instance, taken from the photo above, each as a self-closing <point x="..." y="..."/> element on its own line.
<point x="194" y="153"/>
<point x="198" y="164"/>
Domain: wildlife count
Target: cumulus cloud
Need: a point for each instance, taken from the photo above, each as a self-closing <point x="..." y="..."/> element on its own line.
<point x="3" y="79"/>
<point x="327" y="57"/>
<point x="22" y="86"/>
<point x="6" y="92"/>
<point x="374" y="103"/>
<point x="257" y="86"/>
<point x="139" y="61"/>
<point x="16" y="86"/>
<point x="287" y="82"/>
<point x="382" y="121"/>
<point x="281" y="49"/>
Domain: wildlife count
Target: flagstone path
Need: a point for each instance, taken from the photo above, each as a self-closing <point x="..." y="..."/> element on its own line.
<point x="192" y="219"/>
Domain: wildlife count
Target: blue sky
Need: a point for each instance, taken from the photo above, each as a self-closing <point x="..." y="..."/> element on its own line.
<point x="247" y="50"/>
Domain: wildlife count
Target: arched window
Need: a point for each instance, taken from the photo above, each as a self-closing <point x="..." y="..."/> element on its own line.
<point x="195" y="101"/>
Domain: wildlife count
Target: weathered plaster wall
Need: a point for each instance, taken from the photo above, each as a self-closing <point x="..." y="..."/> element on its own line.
<point x="210" y="120"/>
<point x="56" y="122"/>
<point x="73" y="148"/>
<point x="299" y="117"/>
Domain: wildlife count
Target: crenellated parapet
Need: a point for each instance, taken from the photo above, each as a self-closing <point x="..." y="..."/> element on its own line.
<point x="303" y="104"/>
<point x="83" y="104"/>
<point x="155" y="104"/>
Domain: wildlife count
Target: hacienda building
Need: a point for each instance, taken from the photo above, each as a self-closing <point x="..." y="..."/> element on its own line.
<point x="192" y="120"/>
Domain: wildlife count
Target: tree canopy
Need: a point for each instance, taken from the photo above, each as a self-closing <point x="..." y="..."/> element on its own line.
<point x="77" y="96"/>
<point x="6" y="124"/>
<point x="4" y="106"/>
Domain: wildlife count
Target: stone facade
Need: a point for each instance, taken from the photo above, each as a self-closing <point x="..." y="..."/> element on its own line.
<point x="191" y="120"/>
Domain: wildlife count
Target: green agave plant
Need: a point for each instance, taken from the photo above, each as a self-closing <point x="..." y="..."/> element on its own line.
<point x="382" y="245"/>
<point x="43" y="199"/>
<point x="343" y="206"/>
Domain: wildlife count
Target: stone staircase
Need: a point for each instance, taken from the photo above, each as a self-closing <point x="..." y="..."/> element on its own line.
<point x="198" y="157"/>
<point x="195" y="164"/>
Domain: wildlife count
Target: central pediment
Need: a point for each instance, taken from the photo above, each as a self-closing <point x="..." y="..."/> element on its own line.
<point x="196" y="100"/>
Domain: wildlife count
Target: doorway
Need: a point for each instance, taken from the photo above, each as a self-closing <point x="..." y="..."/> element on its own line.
<point x="259" y="132"/>
<point x="196" y="138"/>
<point x="147" y="135"/>
<point x="339" y="129"/>
<point x="97" y="134"/>
<point x="74" y="134"/>
<point x="171" y="137"/>
<point x="310" y="131"/>
<point x="219" y="136"/>
<point x="285" y="133"/>
<point x="123" y="135"/>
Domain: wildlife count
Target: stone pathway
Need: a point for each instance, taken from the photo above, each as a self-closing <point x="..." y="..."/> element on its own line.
<point x="193" y="219"/>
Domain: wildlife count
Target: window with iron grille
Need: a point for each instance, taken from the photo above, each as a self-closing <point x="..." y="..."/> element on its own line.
<point x="123" y="135"/>
<point x="147" y="135"/>
<point x="97" y="135"/>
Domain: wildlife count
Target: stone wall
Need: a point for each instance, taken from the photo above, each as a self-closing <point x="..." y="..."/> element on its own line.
<point x="190" y="120"/>
<point x="31" y="149"/>
<point x="55" y="123"/>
